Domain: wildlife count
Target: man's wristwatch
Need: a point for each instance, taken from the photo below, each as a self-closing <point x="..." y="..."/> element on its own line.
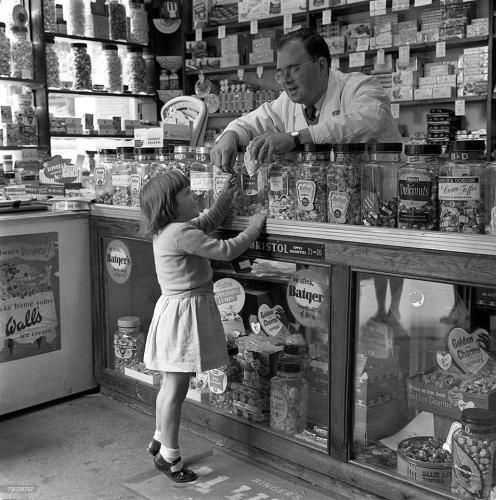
<point x="296" y="138"/>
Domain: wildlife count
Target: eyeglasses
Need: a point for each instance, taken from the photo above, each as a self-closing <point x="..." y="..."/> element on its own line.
<point x="290" y="72"/>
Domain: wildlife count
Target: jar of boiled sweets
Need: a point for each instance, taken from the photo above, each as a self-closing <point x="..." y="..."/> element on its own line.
<point x="220" y="381"/>
<point x="202" y="178"/>
<point x="220" y="178"/>
<point x="76" y="17"/>
<point x="461" y="188"/>
<point x="112" y="71"/>
<point x="344" y="184"/>
<point x="490" y="198"/>
<point x="163" y="157"/>
<point x="288" y="397"/>
<point x="134" y="70"/>
<point x="252" y="198"/>
<point x="129" y="342"/>
<point x="4" y="52"/>
<point x="121" y="176"/>
<point x="473" y="447"/>
<point x="183" y="157"/>
<point x="282" y="186"/>
<point x="311" y="183"/>
<point x="103" y="176"/>
<point x="417" y="187"/>
<point x="379" y="190"/>
<point x="52" y="63"/>
<point x="21" y="52"/>
<point x="49" y="16"/>
<point x="80" y="67"/>
<point x="117" y="20"/>
<point x="138" y="22"/>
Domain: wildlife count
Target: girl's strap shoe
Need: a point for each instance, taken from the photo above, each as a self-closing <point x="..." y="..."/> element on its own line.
<point x="182" y="476"/>
<point x="154" y="447"/>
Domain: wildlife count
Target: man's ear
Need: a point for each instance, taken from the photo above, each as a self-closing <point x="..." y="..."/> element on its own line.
<point x="323" y="64"/>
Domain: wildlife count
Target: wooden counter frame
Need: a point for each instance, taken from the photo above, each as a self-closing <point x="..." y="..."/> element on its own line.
<point x="266" y="445"/>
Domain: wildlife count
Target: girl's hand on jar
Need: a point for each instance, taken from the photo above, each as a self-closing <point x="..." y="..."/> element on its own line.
<point x="231" y="185"/>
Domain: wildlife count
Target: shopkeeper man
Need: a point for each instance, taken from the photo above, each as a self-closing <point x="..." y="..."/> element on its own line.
<point x="319" y="105"/>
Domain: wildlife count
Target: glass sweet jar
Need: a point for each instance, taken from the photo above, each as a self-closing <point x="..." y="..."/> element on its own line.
<point x="134" y="70"/>
<point x="282" y="186"/>
<point x="80" y="67"/>
<point x="4" y="52"/>
<point x="311" y="183"/>
<point x="288" y="397"/>
<point x="343" y="183"/>
<point x="129" y="342"/>
<point x="473" y="448"/>
<point x="417" y="187"/>
<point x="201" y="177"/>
<point x="220" y="381"/>
<point x="379" y="190"/>
<point x="117" y="20"/>
<point x="52" y="63"/>
<point x="112" y="70"/>
<point x="138" y="22"/>
<point x="461" y="188"/>
<point x="21" y="53"/>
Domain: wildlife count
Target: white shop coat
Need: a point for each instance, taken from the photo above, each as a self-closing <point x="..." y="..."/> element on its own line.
<point x="355" y="109"/>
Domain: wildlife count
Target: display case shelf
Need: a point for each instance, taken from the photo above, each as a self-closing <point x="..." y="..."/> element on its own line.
<point x="450" y="100"/>
<point x="95" y="40"/>
<point x="230" y="69"/>
<point x="93" y="93"/>
<point x="30" y="82"/>
<point x="91" y="136"/>
<point x="213" y="116"/>
<point x="18" y="148"/>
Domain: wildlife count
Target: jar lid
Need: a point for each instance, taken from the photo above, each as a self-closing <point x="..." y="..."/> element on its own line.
<point x="386" y="147"/>
<point x="479" y="417"/>
<point x="202" y="150"/>
<point x="107" y="151"/>
<point x="135" y="49"/>
<point x="352" y="147"/>
<point x="165" y="150"/>
<point x="232" y="350"/>
<point x="291" y="367"/>
<point x="184" y="149"/>
<point x="423" y="149"/>
<point x="88" y="152"/>
<point x="19" y="29"/>
<point x="129" y="321"/>
<point x="79" y="45"/>
<point x="109" y="46"/>
<point x="317" y="148"/>
<point x="124" y="150"/>
<point x="467" y="146"/>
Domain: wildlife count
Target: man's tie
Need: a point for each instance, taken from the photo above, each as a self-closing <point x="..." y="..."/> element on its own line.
<point x="310" y="112"/>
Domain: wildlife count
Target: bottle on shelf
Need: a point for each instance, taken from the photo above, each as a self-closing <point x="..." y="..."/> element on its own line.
<point x="282" y="187"/>
<point x="117" y="20"/>
<point x="149" y="71"/>
<point x="201" y="178"/>
<point x="52" y="63"/>
<point x="138" y="22"/>
<point x="80" y="66"/>
<point x="21" y="54"/>
<point x="76" y="17"/>
<point x="49" y="16"/>
<point x="103" y="175"/>
<point x="134" y="70"/>
<point x="4" y="52"/>
<point x="112" y="71"/>
<point x="164" y="82"/>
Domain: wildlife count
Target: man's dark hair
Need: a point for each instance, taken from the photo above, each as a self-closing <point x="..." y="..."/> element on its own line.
<point x="314" y="44"/>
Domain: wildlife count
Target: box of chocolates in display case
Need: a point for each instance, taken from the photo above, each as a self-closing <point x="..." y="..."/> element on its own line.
<point x="465" y="377"/>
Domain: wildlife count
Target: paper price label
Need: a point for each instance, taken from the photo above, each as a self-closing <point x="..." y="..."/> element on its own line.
<point x="420" y="3"/>
<point x="259" y="71"/>
<point x="378" y="8"/>
<point x="441" y="49"/>
<point x="198" y="35"/>
<point x="326" y="17"/>
<point x="460" y="107"/>
<point x="241" y="73"/>
<point x="335" y="63"/>
<point x="400" y="5"/>
<point x="395" y="110"/>
<point x="362" y="44"/>
<point x="404" y="55"/>
<point x="288" y="21"/>
<point x="253" y="27"/>
<point x="381" y="56"/>
<point x="372" y="7"/>
<point x="222" y="31"/>
<point x="357" y="59"/>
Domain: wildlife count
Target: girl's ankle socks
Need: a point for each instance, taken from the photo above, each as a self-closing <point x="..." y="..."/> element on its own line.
<point x="158" y="436"/>
<point x="171" y="454"/>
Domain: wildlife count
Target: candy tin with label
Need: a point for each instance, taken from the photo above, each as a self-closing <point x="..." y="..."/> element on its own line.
<point x="422" y="459"/>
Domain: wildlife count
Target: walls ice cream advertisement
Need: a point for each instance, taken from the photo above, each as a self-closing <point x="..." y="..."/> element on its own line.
<point x="29" y="295"/>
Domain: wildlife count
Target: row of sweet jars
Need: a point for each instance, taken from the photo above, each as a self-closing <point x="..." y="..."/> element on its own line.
<point x="16" y="52"/>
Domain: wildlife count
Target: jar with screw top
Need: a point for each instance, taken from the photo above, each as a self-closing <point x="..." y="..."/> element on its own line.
<point x="288" y="397"/>
<point x="473" y="448"/>
<point x="344" y="184"/>
<point x="221" y="379"/>
<point x="8" y="169"/>
<point x="417" y="187"/>
<point x="252" y="198"/>
<point x="49" y="16"/>
<point x="282" y="186"/>
<point x="4" y="52"/>
<point x="80" y="67"/>
<point x="21" y="52"/>
<point x="201" y="178"/>
<point x="461" y="188"/>
<point x="117" y="20"/>
<point x="139" y="175"/>
<point x="103" y="176"/>
<point x="149" y="71"/>
<point x="121" y="176"/>
<point x="184" y="156"/>
<point x="220" y="177"/>
<point x="52" y="63"/>
<point x="129" y="342"/>
<point x="76" y="17"/>
<point x="134" y="70"/>
<point x="311" y="183"/>
<point x="490" y="198"/>
<point x="112" y="71"/>
<point x="138" y="22"/>
<point x="162" y="160"/>
<point x="379" y="190"/>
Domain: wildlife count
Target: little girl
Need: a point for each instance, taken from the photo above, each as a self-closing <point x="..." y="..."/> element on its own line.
<point x="186" y="333"/>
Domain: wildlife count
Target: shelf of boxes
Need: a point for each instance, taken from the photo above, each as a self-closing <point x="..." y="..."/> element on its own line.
<point x="231" y="69"/>
<point x="91" y="39"/>
<point x="92" y="93"/>
<point x="470" y="98"/>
